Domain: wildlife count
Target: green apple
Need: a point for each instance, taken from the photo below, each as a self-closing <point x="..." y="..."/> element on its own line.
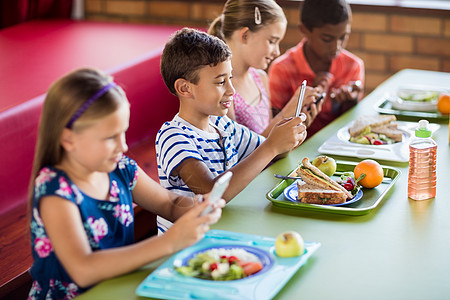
<point x="289" y="244"/>
<point x="325" y="164"/>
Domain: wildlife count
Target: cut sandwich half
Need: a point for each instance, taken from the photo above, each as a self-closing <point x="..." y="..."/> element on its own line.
<point x="310" y="174"/>
<point x="390" y="131"/>
<point x="373" y="121"/>
<point x="312" y="194"/>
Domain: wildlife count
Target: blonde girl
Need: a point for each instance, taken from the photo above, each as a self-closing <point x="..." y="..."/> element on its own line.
<point x="82" y="190"/>
<point x="253" y="30"/>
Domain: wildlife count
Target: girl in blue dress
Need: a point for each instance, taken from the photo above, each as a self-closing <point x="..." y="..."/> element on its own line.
<point x="83" y="188"/>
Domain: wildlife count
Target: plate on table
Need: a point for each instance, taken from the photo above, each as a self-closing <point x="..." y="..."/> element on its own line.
<point x="414" y="98"/>
<point x="406" y="101"/>
<point x="372" y="197"/>
<point x="261" y="255"/>
<point x="167" y="283"/>
<point x="291" y="193"/>
<point x="339" y="144"/>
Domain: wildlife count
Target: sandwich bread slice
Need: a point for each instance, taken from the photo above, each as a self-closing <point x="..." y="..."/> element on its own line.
<point x="310" y="174"/>
<point x="312" y="194"/>
<point x="389" y="131"/>
<point x="373" y="121"/>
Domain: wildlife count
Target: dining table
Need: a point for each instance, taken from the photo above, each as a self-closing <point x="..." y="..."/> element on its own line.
<point x="397" y="249"/>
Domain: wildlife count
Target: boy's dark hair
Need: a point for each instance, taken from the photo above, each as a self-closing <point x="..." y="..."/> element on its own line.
<point x="186" y="52"/>
<point x="317" y="13"/>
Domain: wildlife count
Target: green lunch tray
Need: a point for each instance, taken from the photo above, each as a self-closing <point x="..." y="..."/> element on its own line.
<point x="371" y="197"/>
<point x="384" y="106"/>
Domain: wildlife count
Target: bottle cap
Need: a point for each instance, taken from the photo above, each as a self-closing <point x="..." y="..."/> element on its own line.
<point x="422" y="130"/>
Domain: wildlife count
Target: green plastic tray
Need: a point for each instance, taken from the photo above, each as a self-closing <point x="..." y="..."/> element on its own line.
<point x="384" y="106"/>
<point x="371" y="197"/>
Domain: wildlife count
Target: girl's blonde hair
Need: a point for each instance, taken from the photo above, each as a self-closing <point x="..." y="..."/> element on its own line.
<point x="238" y="14"/>
<point x="64" y="98"/>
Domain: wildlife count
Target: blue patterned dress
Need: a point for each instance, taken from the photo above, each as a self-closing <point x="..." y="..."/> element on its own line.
<point x="107" y="223"/>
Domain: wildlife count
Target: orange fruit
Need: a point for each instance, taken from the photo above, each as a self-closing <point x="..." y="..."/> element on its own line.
<point x="372" y="169"/>
<point x="443" y="104"/>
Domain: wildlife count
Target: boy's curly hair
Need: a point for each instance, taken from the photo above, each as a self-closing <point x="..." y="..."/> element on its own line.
<point x="186" y="52"/>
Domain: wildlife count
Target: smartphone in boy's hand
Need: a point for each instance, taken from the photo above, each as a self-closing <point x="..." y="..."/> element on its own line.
<point x="322" y="96"/>
<point x="217" y="191"/>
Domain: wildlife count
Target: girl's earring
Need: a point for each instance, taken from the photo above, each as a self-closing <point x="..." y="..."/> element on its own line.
<point x="257" y="16"/>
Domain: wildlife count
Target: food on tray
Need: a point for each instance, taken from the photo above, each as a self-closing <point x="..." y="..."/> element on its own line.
<point x="371" y="171"/>
<point x="222" y="264"/>
<point x="349" y="182"/>
<point x="325" y="164"/>
<point x="375" y="130"/>
<point x="319" y="188"/>
<point x="414" y="99"/>
<point x="443" y="104"/>
<point x="417" y="95"/>
<point x="289" y="244"/>
<point x="363" y="121"/>
<point x="308" y="193"/>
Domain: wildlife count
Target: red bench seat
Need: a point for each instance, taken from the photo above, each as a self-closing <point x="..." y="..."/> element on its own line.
<point x="33" y="55"/>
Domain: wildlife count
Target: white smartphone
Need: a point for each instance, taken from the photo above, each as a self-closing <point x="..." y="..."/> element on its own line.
<point x="300" y="99"/>
<point x="217" y="191"/>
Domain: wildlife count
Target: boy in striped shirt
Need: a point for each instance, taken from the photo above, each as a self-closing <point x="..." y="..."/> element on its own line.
<point x="201" y="143"/>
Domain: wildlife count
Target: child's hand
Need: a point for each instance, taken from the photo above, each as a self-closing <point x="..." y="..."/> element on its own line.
<point x="287" y="134"/>
<point x="347" y="93"/>
<point x="322" y="81"/>
<point x="216" y="207"/>
<point x="191" y="227"/>
<point x="312" y="111"/>
<point x="311" y="94"/>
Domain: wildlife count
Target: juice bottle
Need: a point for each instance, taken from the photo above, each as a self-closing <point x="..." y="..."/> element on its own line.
<point x="422" y="164"/>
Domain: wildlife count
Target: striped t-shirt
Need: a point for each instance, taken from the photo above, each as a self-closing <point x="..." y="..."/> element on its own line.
<point x="178" y="140"/>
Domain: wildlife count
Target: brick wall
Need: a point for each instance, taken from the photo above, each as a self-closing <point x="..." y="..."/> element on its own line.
<point x="388" y="39"/>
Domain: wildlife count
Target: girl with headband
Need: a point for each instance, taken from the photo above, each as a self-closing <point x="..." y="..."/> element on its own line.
<point x="253" y="29"/>
<point x="82" y="192"/>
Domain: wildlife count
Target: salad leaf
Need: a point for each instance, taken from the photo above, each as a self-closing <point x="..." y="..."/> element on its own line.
<point x="188" y="271"/>
<point x="205" y="266"/>
<point x="418" y="95"/>
<point x="348" y="180"/>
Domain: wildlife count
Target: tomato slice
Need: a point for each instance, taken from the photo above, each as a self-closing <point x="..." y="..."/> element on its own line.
<point x="251" y="267"/>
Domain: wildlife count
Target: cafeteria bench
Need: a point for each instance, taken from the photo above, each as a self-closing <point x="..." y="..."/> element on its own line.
<point x="33" y="55"/>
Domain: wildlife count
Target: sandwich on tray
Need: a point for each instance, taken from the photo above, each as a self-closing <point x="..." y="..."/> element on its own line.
<point x="319" y="188"/>
<point x="366" y="129"/>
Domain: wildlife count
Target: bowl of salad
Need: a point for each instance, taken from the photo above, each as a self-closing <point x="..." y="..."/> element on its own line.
<point x="414" y="99"/>
<point x="368" y="137"/>
<point x="224" y="263"/>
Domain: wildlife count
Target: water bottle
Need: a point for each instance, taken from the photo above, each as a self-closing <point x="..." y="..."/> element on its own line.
<point x="422" y="164"/>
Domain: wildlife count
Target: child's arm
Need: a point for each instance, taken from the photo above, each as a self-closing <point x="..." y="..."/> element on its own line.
<point x="65" y="229"/>
<point x="288" y="110"/>
<point x="153" y="197"/>
<point x="285" y="136"/>
<point x="347" y="95"/>
<point x="322" y="81"/>
<point x="310" y="109"/>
